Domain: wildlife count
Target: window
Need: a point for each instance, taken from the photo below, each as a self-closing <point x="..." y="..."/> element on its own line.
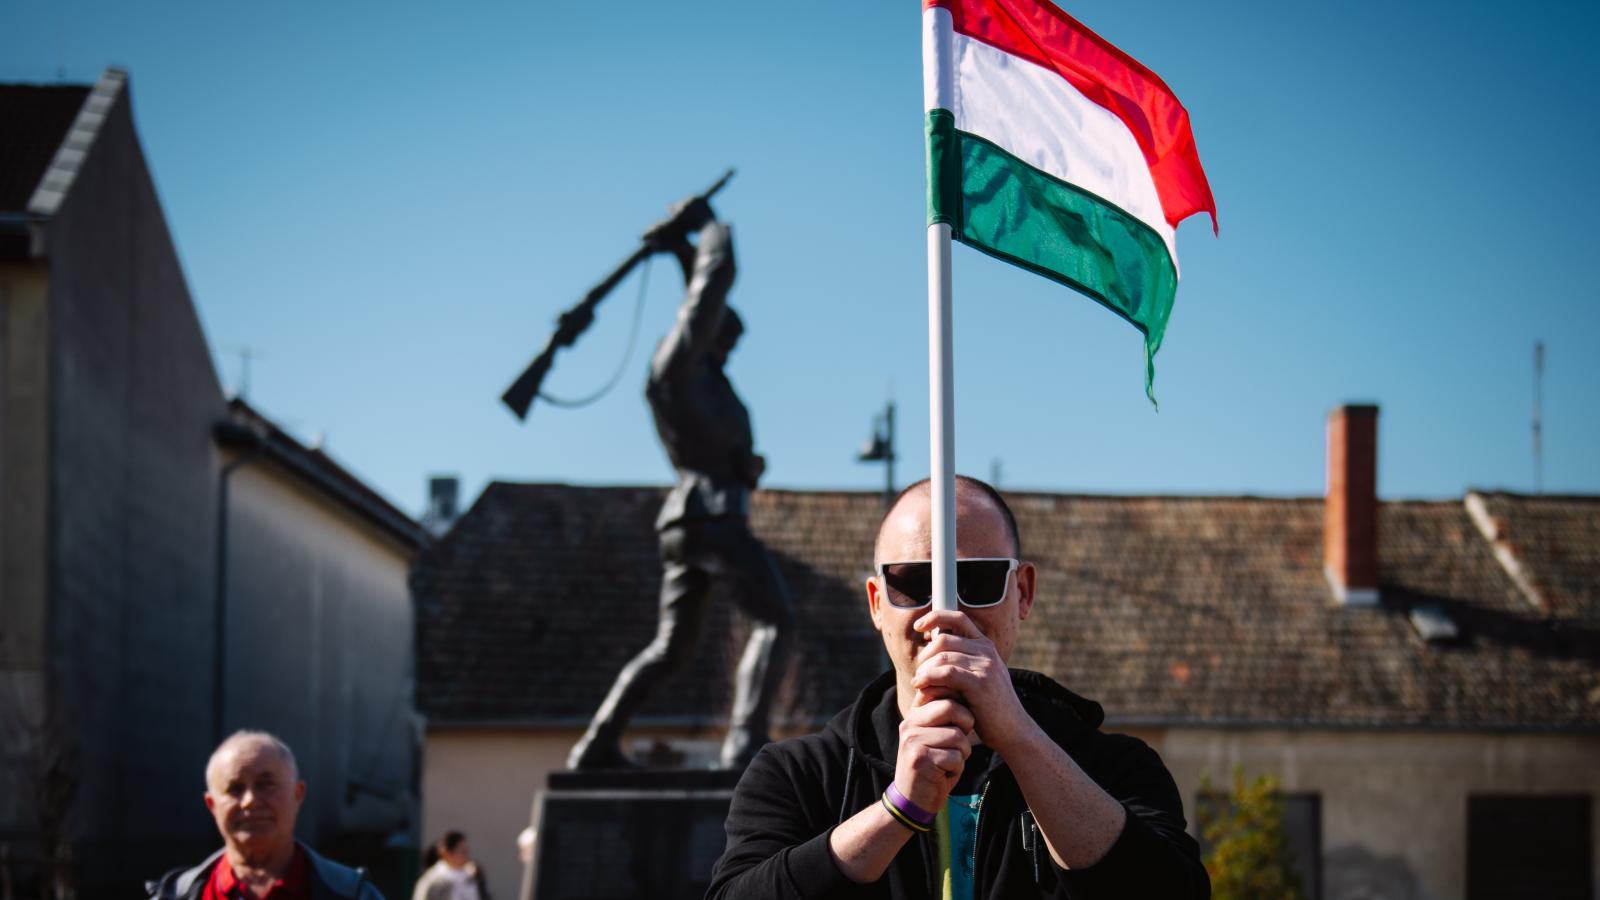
<point x="1529" y="847"/>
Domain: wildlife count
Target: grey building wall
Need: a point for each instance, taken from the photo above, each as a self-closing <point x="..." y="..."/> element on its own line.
<point x="327" y="587"/>
<point x="131" y="495"/>
<point x="110" y="467"/>
<point x="24" y="480"/>
<point x="24" y="463"/>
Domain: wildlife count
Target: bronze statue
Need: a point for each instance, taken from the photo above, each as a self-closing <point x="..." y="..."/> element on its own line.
<point x="705" y="539"/>
<point x="574" y="322"/>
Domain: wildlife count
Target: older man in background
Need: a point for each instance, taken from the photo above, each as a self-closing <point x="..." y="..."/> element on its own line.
<point x="254" y="792"/>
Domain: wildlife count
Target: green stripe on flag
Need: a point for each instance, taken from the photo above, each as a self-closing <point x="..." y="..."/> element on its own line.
<point x="944" y="170"/>
<point x="1000" y="205"/>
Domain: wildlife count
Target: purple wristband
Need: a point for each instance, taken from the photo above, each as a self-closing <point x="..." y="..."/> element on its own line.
<point x="912" y="811"/>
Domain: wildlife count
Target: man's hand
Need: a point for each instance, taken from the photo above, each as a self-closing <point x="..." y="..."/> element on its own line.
<point x="961" y="662"/>
<point x="1079" y="820"/>
<point x="933" y="750"/>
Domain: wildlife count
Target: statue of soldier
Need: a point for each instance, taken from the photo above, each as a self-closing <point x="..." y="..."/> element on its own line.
<point x="705" y="539"/>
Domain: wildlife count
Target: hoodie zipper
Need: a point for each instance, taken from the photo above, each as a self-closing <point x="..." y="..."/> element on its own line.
<point x="977" y="834"/>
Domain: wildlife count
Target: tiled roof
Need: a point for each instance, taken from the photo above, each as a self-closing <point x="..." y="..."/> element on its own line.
<point x="527" y="609"/>
<point x="1166" y="609"/>
<point x="33" y="121"/>
<point x="1555" y="543"/>
<point x="1215" y="610"/>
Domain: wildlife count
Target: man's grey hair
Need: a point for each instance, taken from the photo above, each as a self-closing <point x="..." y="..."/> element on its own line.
<point x="244" y="736"/>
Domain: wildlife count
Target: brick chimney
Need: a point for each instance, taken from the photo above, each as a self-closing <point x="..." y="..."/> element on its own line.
<point x="1350" y="512"/>
<point x="442" y="512"/>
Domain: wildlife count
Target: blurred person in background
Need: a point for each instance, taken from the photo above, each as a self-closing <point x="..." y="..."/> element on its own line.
<point x="450" y="873"/>
<point x="525" y="841"/>
<point x="254" y="792"/>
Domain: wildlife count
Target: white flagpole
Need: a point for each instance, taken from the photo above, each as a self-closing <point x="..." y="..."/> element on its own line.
<point x="938" y="90"/>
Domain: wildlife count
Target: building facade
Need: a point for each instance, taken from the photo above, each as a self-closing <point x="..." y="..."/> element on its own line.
<point x="123" y="595"/>
<point x="1423" y="677"/>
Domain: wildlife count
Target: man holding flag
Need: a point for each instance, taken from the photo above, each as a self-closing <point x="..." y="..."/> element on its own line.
<point x="953" y="776"/>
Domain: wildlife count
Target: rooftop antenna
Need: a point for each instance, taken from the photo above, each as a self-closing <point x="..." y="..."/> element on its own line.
<point x="247" y="354"/>
<point x="1538" y="417"/>
<point x="995" y="468"/>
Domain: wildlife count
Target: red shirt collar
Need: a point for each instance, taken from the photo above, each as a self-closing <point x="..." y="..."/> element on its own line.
<point x="294" y="885"/>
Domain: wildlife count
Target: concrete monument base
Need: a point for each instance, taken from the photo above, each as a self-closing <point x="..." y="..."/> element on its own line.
<point x="617" y="835"/>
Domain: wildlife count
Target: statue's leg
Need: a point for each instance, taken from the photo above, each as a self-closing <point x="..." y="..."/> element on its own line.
<point x="759" y="589"/>
<point x="685" y="596"/>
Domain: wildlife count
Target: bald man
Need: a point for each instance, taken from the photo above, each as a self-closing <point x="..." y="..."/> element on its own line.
<point x="254" y="792"/>
<point x="954" y="775"/>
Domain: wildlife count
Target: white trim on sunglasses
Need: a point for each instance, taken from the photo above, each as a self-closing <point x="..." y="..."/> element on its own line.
<point x="1005" y="588"/>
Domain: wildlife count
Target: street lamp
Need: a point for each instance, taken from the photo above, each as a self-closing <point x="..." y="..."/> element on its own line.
<point x="880" y="448"/>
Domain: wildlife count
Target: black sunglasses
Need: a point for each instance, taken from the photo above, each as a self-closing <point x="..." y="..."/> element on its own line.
<point x="979" y="582"/>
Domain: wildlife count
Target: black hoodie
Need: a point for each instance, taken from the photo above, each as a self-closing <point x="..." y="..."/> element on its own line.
<point x="795" y="792"/>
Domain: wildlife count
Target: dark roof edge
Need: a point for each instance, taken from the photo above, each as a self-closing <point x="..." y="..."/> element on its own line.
<point x="877" y="493"/>
<point x="63" y="169"/>
<point x="1058" y="495"/>
<point x="705" y="723"/>
<point x="1312" y="725"/>
<point x="709" y="723"/>
<point x="22" y="236"/>
<point x="248" y="429"/>
<point x="1521" y="495"/>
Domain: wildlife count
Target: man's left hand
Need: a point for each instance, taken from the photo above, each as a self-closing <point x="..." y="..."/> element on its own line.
<point x="961" y="661"/>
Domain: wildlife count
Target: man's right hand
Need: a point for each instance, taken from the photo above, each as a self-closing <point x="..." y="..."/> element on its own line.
<point x="933" y="750"/>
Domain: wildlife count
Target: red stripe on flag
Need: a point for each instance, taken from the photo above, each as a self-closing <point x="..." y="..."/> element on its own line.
<point x="1040" y="32"/>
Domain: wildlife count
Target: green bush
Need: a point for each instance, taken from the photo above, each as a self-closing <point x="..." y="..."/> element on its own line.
<point x="1247" y="855"/>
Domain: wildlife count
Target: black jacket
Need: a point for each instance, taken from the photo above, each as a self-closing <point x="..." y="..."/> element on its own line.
<point x="796" y="791"/>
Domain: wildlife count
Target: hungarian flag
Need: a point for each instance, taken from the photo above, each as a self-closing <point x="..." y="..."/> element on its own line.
<point x="1052" y="149"/>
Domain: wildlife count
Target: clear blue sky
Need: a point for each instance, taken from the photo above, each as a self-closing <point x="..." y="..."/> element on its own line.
<point x="390" y="203"/>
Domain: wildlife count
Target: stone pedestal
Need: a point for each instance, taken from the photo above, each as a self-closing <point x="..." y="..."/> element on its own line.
<point x="618" y="835"/>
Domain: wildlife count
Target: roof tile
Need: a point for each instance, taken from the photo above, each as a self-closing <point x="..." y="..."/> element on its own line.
<point x="1204" y="610"/>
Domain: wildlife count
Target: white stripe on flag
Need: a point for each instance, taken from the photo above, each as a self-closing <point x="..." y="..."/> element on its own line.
<point x="937" y="73"/>
<point x="1040" y="118"/>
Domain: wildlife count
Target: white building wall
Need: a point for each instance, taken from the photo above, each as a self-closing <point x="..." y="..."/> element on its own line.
<point x="319" y="651"/>
<point x="1394" y="804"/>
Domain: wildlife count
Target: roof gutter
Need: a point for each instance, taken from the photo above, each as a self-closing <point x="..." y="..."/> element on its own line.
<point x="22" y="236"/>
<point x="239" y="436"/>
